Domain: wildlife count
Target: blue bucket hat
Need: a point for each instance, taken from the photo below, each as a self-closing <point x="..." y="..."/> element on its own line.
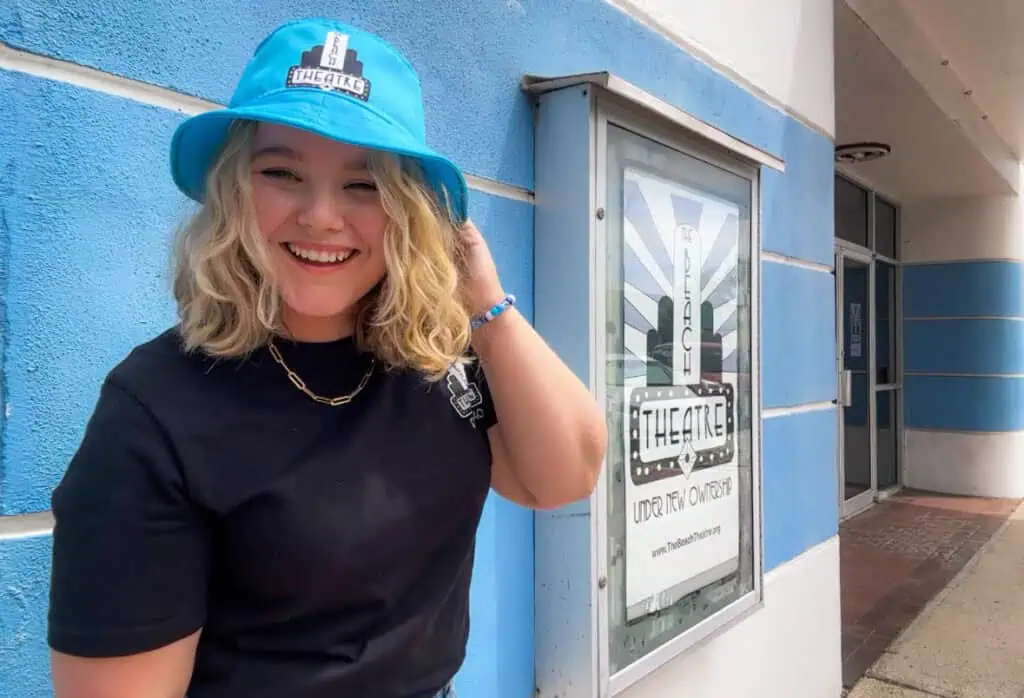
<point x="332" y="79"/>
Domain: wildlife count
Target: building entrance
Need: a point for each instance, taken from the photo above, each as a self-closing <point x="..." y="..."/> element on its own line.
<point x="866" y="346"/>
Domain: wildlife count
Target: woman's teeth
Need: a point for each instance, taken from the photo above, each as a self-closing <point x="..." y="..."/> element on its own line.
<point x="319" y="256"/>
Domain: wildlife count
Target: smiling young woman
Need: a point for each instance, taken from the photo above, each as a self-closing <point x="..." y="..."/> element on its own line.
<point x="279" y="495"/>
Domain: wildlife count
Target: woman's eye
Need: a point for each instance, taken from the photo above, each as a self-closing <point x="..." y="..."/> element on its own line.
<point x="362" y="186"/>
<point x="279" y="173"/>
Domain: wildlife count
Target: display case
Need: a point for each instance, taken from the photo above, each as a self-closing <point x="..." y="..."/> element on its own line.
<point x="647" y="260"/>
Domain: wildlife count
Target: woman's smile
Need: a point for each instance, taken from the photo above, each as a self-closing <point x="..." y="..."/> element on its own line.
<point x="319" y="257"/>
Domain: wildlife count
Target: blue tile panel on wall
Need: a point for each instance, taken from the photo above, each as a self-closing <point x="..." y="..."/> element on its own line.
<point x="964" y="403"/>
<point x="500" y="659"/>
<point x="90" y="212"/>
<point x="797" y="335"/>
<point x="475" y="110"/>
<point x="6" y="186"/>
<point x="963" y="289"/>
<point x="500" y="654"/>
<point x="797" y="207"/>
<point x="978" y="346"/>
<point x="801" y="491"/>
<point x="24" y="591"/>
<point x="989" y="343"/>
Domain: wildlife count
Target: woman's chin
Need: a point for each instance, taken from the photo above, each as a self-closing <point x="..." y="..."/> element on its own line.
<point x="319" y="321"/>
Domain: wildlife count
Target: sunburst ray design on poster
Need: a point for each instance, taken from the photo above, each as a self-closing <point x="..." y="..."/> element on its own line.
<point x="648" y="254"/>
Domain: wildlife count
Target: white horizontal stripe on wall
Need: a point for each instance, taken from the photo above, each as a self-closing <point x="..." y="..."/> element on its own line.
<point x="26" y="525"/>
<point x="773" y="412"/>
<point x="777" y="258"/>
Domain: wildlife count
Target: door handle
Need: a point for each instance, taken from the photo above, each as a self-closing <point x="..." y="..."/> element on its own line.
<point x="846" y="388"/>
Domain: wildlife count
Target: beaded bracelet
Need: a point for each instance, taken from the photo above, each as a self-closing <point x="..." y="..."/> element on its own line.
<point x="494" y="311"/>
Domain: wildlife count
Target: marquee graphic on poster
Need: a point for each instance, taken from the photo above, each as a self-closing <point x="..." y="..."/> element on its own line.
<point x="687" y="407"/>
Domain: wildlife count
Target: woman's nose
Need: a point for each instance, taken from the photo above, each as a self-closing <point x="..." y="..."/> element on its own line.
<point x="322" y="211"/>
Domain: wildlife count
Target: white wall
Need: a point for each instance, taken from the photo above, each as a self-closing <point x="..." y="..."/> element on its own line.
<point x="783" y="48"/>
<point x="788" y="649"/>
<point x="945" y="230"/>
<point x="982" y="465"/>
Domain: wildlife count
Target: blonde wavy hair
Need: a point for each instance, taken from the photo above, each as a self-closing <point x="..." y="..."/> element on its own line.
<point x="229" y="303"/>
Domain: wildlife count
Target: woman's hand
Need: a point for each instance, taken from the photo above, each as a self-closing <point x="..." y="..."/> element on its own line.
<point x="481" y="287"/>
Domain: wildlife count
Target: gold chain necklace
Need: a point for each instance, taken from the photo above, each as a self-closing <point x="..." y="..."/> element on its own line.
<point x="301" y="385"/>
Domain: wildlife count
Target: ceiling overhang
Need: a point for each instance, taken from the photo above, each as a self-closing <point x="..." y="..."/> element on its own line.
<point x="898" y="31"/>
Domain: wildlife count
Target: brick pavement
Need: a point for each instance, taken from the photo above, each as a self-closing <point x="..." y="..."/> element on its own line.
<point x="896" y="556"/>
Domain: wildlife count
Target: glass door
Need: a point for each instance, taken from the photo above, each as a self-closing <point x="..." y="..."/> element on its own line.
<point x="888" y="395"/>
<point x="854" y="345"/>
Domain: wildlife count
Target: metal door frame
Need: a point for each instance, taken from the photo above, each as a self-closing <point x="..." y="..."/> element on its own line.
<point x="860" y="502"/>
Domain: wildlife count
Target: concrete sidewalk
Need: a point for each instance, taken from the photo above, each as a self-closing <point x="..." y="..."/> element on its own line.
<point x="969" y="642"/>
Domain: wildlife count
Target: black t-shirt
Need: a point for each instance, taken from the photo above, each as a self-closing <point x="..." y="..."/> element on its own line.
<point x="325" y="551"/>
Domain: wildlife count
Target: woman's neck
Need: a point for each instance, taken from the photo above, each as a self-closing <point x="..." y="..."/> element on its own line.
<point x="305" y="328"/>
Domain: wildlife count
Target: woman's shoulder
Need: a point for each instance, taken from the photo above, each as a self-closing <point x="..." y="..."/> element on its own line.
<point x="161" y="363"/>
<point x="144" y="408"/>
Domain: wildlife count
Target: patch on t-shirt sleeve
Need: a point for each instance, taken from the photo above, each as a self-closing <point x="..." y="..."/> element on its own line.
<point x="469" y="394"/>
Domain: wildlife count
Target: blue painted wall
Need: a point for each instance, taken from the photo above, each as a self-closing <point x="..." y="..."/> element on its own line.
<point x="964" y="403"/>
<point x="801" y="495"/>
<point x="24" y="589"/>
<point x="978" y="346"/>
<point x="6" y="189"/>
<point x="88" y="207"/>
<point x="967" y="288"/>
<point x="963" y="337"/>
<point x="798" y="339"/>
<point x="500" y="659"/>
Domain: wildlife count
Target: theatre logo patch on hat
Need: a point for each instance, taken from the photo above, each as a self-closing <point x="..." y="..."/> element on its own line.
<point x="331" y="66"/>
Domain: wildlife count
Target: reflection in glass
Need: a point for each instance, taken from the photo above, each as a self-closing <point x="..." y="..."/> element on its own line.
<point x="885" y="406"/>
<point x="885" y="323"/>
<point x="856" y="344"/>
<point x="679" y="401"/>
<point x="885" y="229"/>
<point x="851" y="212"/>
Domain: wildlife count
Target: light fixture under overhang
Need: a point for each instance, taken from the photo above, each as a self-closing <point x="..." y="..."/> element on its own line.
<point x="855" y="153"/>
